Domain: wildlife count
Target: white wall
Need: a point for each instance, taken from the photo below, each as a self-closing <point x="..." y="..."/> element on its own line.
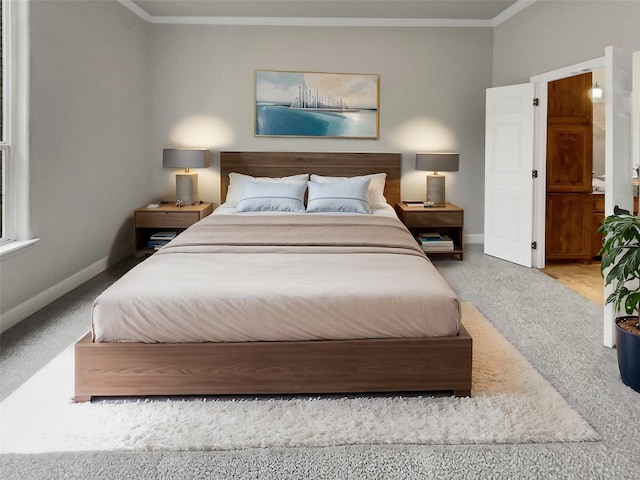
<point x="550" y="35"/>
<point x="432" y="84"/>
<point x="89" y="144"/>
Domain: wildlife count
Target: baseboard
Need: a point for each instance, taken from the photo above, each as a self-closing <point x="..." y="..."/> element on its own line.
<point x="474" y="238"/>
<point x="31" y="306"/>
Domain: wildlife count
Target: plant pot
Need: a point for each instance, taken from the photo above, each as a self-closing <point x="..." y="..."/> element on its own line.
<point x="628" y="347"/>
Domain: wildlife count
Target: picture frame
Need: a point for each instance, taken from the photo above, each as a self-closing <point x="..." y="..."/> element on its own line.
<point x="317" y="104"/>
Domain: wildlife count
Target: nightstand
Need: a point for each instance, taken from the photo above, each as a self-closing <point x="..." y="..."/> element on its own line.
<point x="166" y="217"/>
<point x="445" y="220"/>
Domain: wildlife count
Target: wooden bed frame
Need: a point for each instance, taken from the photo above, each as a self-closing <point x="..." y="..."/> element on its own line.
<point x="328" y="366"/>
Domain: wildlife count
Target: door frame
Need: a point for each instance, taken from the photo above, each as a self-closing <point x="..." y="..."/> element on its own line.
<point x="612" y="168"/>
<point x="540" y="147"/>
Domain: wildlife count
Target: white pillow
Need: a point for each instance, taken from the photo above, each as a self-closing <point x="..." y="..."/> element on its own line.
<point x="376" y="187"/>
<point x="235" y="184"/>
<point x="271" y="196"/>
<point x="342" y="196"/>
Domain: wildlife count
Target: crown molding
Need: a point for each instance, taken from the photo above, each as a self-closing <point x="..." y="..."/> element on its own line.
<point x="137" y="10"/>
<point x="331" y="21"/>
<point x="323" y="21"/>
<point x="514" y="9"/>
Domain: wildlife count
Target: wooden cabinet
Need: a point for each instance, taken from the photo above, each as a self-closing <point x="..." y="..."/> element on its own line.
<point x="568" y="227"/>
<point x="569" y="154"/>
<point x="166" y="217"/>
<point x="445" y="220"/>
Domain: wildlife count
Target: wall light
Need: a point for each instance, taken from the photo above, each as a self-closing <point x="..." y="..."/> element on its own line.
<point x="187" y="182"/>
<point x="596" y="92"/>
<point x="437" y="162"/>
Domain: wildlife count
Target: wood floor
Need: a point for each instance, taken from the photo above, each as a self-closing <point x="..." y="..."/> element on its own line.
<point x="582" y="278"/>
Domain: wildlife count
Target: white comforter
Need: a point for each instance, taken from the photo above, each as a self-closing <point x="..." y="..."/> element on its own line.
<point x="207" y="286"/>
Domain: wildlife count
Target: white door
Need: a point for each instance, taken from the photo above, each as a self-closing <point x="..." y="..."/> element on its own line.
<point x="508" y="204"/>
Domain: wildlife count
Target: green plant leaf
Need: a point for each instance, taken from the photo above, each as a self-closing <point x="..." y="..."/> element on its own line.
<point x="632" y="303"/>
<point x="621" y="260"/>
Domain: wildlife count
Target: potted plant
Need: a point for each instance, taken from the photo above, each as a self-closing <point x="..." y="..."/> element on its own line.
<point x="621" y="263"/>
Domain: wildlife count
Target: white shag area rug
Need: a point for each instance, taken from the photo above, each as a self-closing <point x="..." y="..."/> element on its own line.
<point x="510" y="403"/>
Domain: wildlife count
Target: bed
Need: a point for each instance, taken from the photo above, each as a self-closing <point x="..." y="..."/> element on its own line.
<point x="283" y="330"/>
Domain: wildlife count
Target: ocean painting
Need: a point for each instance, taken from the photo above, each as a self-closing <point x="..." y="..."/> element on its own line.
<point x="310" y="104"/>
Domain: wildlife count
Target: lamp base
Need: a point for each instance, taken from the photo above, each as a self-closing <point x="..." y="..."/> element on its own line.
<point x="187" y="189"/>
<point x="435" y="189"/>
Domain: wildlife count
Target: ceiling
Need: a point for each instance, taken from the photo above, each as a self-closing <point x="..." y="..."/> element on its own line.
<point x="329" y="12"/>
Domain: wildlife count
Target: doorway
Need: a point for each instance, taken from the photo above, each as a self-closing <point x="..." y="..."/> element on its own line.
<point x="617" y="67"/>
<point x="569" y="168"/>
<point x="575" y="184"/>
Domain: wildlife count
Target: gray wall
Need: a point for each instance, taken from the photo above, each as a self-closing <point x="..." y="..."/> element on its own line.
<point x="554" y="34"/>
<point x="432" y="83"/>
<point x="89" y="141"/>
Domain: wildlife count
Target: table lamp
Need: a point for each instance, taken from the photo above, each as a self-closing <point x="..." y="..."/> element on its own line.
<point x="437" y="162"/>
<point x="187" y="182"/>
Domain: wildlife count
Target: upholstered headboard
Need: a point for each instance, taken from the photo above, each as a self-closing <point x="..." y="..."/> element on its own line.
<point x="280" y="164"/>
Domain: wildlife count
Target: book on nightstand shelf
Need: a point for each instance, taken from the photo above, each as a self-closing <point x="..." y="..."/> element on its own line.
<point x="163" y="236"/>
<point x="160" y="239"/>
<point x="434" y="242"/>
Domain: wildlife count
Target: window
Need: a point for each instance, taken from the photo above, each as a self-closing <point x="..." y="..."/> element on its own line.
<point x="14" y="144"/>
<point x="3" y="142"/>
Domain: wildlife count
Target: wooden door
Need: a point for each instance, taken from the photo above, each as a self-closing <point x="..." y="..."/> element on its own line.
<point x="569" y="169"/>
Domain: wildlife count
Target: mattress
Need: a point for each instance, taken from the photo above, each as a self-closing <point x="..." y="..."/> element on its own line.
<point x="239" y="278"/>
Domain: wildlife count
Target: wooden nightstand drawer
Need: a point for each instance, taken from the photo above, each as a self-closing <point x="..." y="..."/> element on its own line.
<point x="434" y="219"/>
<point x="166" y="219"/>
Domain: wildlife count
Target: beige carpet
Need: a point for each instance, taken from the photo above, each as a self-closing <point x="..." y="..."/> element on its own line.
<point x="510" y="403"/>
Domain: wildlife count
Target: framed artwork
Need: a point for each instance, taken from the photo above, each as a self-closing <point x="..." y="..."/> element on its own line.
<point x="314" y="104"/>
